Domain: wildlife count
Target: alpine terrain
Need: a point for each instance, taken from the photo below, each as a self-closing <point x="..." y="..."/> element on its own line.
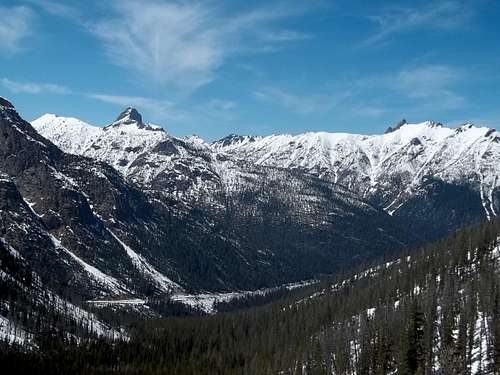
<point x="103" y="227"/>
<point x="249" y="187"/>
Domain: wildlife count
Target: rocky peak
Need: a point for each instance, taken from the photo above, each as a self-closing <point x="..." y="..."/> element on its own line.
<point x="435" y="124"/>
<point x="196" y="142"/>
<point x="129" y="115"/>
<point x="391" y="129"/>
<point x="4" y="103"/>
<point x="233" y="139"/>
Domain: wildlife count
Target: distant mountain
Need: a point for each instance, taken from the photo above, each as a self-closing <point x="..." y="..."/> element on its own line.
<point x="431" y="178"/>
<point x="128" y="214"/>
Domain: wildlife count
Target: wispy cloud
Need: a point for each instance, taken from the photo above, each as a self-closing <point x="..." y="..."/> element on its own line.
<point x="163" y="109"/>
<point x="427" y="87"/>
<point x="15" y="28"/>
<point x="33" y="87"/>
<point x="183" y="44"/>
<point x="222" y="105"/>
<point x="55" y="8"/>
<point x="367" y="111"/>
<point x="436" y="15"/>
<point x="430" y="87"/>
<point x="344" y="100"/>
<point x="431" y="83"/>
<point x="301" y="104"/>
<point x="283" y="35"/>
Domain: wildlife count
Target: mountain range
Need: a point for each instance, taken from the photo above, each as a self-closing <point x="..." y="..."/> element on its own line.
<point x="129" y="211"/>
<point x="431" y="178"/>
<point x="166" y="214"/>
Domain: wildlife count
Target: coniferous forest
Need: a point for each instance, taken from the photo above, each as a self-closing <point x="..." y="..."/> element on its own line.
<point x="433" y="310"/>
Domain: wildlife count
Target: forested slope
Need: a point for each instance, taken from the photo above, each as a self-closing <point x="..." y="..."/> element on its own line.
<point x="434" y="311"/>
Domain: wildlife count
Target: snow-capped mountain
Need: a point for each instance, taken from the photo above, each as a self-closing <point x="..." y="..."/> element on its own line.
<point x="128" y="212"/>
<point x="77" y="209"/>
<point x="391" y="166"/>
<point x="434" y="179"/>
<point x="142" y="152"/>
<point x="413" y="171"/>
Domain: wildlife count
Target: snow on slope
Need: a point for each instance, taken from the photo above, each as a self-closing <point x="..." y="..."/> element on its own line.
<point x="109" y="282"/>
<point x="120" y="141"/>
<point x="387" y="168"/>
<point x="391" y="166"/>
<point x="142" y="265"/>
<point x="12" y="333"/>
<point x="56" y="128"/>
<point x="142" y="152"/>
<point x="207" y="302"/>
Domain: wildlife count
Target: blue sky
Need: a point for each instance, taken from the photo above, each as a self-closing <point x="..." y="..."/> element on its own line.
<point x="254" y="67"/>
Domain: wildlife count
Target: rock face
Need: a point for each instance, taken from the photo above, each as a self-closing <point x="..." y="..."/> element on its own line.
<point x="130" y="115"/>
<point x="59" y="189"/>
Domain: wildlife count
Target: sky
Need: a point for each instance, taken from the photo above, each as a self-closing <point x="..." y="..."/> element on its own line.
<point x="213" y="68"/>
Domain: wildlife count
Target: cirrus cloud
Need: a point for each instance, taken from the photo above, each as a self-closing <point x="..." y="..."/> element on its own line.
<point x="183" y="44"/>
<point x="431" y="84"/>
<point x="300" y="104"/>
<point x="442" y="15"/>
<point x="33" y="87"/>
<point x="15" y="28"/>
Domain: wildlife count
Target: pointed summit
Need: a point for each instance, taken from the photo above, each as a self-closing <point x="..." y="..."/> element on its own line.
<point x="129" y="115"/>
<point x="435" y="124"/>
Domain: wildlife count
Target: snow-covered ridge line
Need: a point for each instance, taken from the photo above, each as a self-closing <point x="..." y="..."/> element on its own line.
<point x="390" y="167"/>
<point x="393" y="166"/>
<point x="115" y="286"/>
<point x="4" y="103"/>
<point x="140" y="151"/>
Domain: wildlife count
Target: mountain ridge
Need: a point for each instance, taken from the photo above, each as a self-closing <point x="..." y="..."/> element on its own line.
<point x="396" y="171"/>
